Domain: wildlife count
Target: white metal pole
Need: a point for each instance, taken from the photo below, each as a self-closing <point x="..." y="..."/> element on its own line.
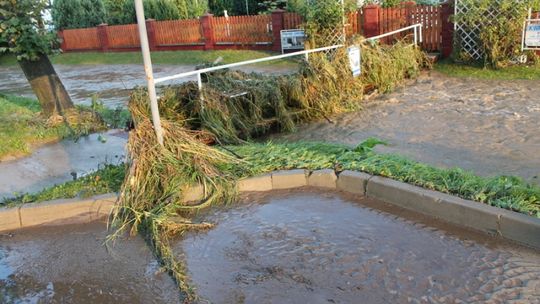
<point x="139" y="9"/>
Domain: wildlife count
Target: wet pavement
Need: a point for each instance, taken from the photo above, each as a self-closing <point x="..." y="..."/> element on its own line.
<point x="69" y="264"/>
<point x="487" y="126"/>
<point x="60" y="162"/>
<point x="310" y="246"/>
<point x="111" y="83"/>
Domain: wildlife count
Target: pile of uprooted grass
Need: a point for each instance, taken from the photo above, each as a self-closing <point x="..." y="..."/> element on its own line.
<point x="232" y="108"/>
<point x="236" y="106"/>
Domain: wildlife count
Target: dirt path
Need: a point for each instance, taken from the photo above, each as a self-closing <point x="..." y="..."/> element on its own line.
<point x="309" y="246"/>
<point x="112" y="83"/>
<point x="70" y="264"/>
<point x="488" y="126"/>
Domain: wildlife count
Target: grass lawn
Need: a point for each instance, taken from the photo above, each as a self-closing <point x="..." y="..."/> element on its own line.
<point x="169" y="58"/>
<point x="22" y="128"/>
<point x="510" y="73"/>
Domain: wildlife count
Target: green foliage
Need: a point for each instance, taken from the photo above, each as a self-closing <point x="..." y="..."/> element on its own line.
<point x="68" y="14"/>
<point x="153" y="9"/>
<point x="530" y="72"/>
<point x="114" y="9"/>
<point x="500" y="36"/>
<point x="23" y="30"/>
<point x="505" y="192"/>
<point x="21" y="126"/>
<point x="234" y="7"/>
<point x="368" y="145"/>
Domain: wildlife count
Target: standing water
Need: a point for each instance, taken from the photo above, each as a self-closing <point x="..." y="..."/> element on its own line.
<point x="313" y="247"/>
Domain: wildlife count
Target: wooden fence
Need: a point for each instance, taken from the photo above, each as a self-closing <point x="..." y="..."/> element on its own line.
<point x="178" y="32"/>
<point x="243" y="29"/>
<point x="251" y="32"/>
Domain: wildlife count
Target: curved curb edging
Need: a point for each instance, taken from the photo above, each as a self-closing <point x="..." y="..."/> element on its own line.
<point x="507" y="224"/>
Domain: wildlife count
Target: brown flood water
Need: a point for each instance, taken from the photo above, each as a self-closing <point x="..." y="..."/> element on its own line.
<point x="487" y="126"/>
<point x="308" y="246"/>
<point x="69" y="264"/>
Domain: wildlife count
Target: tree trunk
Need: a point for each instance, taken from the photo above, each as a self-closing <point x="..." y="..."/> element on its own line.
<point x="47" y="86"/>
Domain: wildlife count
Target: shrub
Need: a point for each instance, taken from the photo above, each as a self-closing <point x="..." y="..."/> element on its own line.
<point x="68" y="14"/>
<point x="500" y="36"/>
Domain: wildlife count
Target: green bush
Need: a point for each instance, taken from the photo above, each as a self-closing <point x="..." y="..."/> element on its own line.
<point x="153" y="9"/>
<point x="500" y="36"/>
<point x="69" y="14"/>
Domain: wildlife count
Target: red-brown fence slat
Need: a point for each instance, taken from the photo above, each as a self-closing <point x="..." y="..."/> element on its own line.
<point x="123" y="36"/>
<point x="82" y="39"/>
<point x="178" y="32"/>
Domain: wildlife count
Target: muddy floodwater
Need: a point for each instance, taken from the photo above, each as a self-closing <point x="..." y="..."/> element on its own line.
<point x="111" y="83"/>
<point x="308" y="246"/>
<point x="69" y="264"/>
<point x="488" y="126"/>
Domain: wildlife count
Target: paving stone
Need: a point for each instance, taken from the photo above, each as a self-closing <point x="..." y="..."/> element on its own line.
<point x="257" y="183"/>
<point x="9" y="219"/>
<point x="520" y="227"/>
<point x="323" y="178"/>
<point x="353" y="182"/>
<point x="76" y="210"/>
<point x="288" y="179"/>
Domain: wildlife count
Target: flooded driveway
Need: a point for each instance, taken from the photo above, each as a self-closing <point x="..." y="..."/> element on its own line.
<point x="309" y="246"/>
<point x="488" y="126"/>
<point x="111" y="83"/>
<point x="69" y="264"/>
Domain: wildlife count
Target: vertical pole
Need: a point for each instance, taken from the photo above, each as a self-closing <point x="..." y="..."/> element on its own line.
<point x="344" y="33"/>
<point x="145" y="48"/>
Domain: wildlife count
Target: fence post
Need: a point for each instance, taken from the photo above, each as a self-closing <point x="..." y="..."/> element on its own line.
<point x="151" y="30"/>
<point x="371" y="20"/>
<point x="447" y="12"/>
<point x="208" y="31"/>
<point x="277" y="26"/>
<point x="103" y="37"/>
<point x="63" y="44"/>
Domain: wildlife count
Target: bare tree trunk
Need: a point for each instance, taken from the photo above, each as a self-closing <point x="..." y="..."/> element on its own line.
<point x="47" y="86"/>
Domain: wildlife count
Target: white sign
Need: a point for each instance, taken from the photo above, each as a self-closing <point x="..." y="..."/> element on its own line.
<point x="532" y="35"/>
<point x="292" y="40"/>
<point x="355" y="60"/>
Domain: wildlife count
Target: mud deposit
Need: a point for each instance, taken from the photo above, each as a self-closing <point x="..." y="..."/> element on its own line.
<point x="488" y="126"/>
<point x="70" y="265"/>
<point x="314" y="247"/>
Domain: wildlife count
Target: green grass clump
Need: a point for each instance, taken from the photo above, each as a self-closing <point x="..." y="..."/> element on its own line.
<point x="105" y="180"/>
<point x="506" y="192"/>
<point x="21" y="126"/>
<point x="514" y="72"/>
<point x="168" y="57"/>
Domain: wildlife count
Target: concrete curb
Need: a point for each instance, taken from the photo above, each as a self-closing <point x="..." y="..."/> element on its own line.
<point x="57" y="211"/>
<point x="510" y="225"/>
